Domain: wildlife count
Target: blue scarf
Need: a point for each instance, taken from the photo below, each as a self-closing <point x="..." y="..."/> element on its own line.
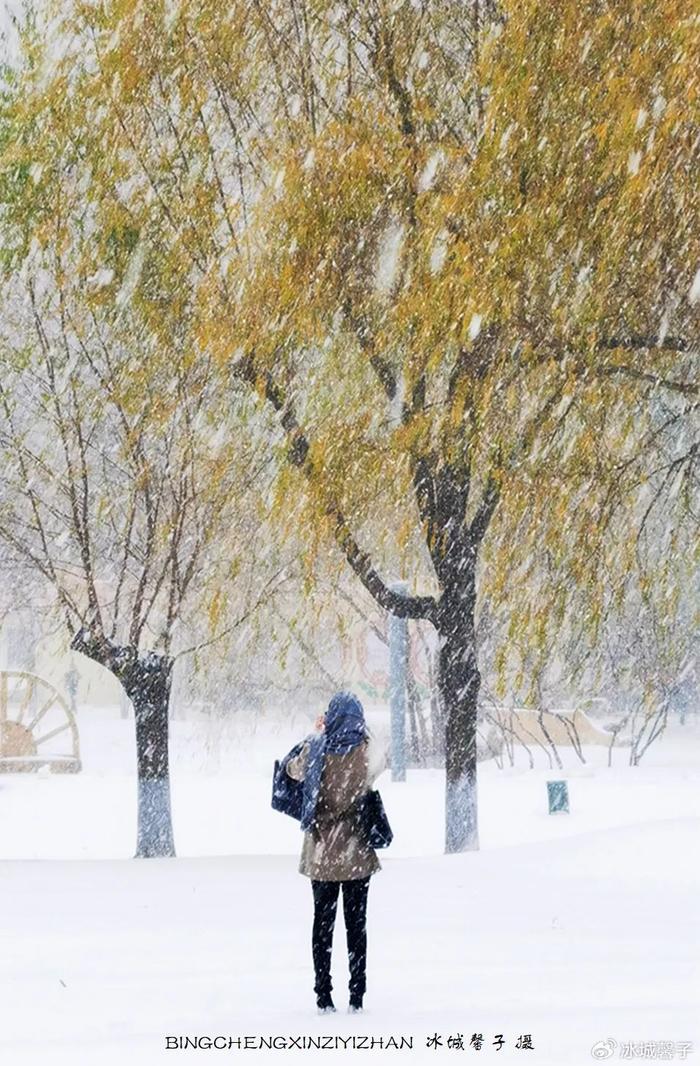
<point x="344" y="730"/>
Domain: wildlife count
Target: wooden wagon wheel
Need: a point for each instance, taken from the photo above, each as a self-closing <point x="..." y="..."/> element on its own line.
<point x="37" y="727"/>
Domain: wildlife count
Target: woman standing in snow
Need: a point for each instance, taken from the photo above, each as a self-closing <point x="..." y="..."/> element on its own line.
<point x="338" y="765"/>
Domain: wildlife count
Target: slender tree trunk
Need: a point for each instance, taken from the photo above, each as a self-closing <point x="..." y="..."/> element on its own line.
<point x="458" y="682"/>
<point x="147" y="684"/>
<point x="437" y="722"/>
<point x="415" y="754"/>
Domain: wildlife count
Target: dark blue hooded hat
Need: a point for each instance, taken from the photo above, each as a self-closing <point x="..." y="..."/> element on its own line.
<point x="344" y="730"/>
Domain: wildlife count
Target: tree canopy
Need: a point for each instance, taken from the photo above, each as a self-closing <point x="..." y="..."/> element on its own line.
<point x="453" y="251"/>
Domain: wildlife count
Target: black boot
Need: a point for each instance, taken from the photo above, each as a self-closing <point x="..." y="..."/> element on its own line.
<point x="325" y="1003"/>
<point x="355" y="1004"/>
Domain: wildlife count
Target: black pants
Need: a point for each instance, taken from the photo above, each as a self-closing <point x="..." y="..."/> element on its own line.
<point x="355" y="914"/>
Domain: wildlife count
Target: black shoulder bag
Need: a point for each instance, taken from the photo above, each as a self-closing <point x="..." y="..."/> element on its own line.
<point x="374" y="822"/>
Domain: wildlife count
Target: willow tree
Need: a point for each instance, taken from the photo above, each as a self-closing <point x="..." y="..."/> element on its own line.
<point x="125" y="487"/>
<point x="490" y="267"/>
<point x="453" y="251"/>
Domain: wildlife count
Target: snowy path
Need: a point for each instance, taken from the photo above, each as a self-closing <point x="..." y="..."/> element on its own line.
<point x="101" y="961"/>
<point x="573" y="929"/>
<point x="221" y="782"/>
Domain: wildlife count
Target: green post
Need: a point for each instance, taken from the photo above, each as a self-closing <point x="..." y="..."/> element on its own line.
<point x="558" y="796"/>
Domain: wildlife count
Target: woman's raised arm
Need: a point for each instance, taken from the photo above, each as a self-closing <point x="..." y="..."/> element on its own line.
<point x="296" y="767"/>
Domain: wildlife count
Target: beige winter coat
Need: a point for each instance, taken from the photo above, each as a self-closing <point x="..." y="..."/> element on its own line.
<point x="334" y="849"/>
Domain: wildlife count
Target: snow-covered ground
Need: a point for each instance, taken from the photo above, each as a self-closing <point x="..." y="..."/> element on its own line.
<point x="574" y="929"/>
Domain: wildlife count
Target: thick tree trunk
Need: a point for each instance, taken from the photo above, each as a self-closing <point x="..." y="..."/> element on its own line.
<point x="442" y="495"/>
<point x="146" y="678"/>
<point x="458" y="681"/>
<point x="147" y="683"/>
